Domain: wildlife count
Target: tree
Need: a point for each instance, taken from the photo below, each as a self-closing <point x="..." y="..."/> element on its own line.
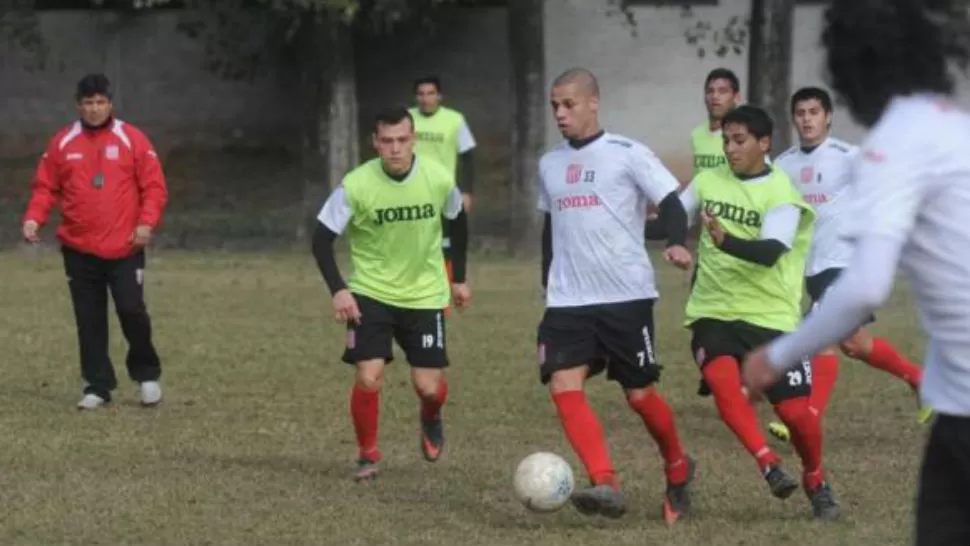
<point x="527" y="121"/>
<point x="769" y="63"/>
<point x="18" y="27"/>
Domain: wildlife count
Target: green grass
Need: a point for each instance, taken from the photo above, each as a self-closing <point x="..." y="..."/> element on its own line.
<point x="253" y="444"/>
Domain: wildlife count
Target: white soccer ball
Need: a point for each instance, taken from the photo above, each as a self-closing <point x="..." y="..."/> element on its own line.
<point x="543" y="482"/>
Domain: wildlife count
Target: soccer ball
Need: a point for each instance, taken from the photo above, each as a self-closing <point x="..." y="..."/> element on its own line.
<point x="543" y="482"/>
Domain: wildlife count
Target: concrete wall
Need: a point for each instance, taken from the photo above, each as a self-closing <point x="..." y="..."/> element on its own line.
<point x="233" y="146"/>
<point x="158" y="77"/>
<point x="652" y="83"/>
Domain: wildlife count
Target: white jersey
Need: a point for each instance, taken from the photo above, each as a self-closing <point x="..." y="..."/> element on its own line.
<point x="911" y="188"/>
<point x="823" y="176"/>
<point x="597" y="197"/>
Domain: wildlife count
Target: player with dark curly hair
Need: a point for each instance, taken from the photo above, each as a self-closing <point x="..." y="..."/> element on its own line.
<point x="890" y="63"/>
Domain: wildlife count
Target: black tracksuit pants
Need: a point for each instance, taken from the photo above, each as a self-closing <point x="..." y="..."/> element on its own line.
<point x="90" y="278"/>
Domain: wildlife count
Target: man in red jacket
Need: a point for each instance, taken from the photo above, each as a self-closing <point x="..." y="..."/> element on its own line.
<point x="107" y="178"/>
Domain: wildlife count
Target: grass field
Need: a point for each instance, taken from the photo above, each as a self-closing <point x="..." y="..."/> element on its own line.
<point x="253" y="444"/>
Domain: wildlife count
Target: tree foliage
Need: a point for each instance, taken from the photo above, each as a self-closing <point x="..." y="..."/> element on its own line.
<point x="239" y="36"/>
<point x="19" y="29"/>
<point x="698" y="32"/>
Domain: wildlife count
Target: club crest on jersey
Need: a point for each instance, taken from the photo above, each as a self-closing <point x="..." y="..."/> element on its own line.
<point x="111" y="152"/>
<point x="807" y="174"/>
<point x="573" y="173"/>
<point x="873" y="156"/>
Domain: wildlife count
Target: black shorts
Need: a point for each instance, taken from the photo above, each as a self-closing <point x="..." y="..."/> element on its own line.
<point x="615" y="337"/>
<point x="714" y="338"/>
<point x="419" y="332"/>
<point x="818" y="284"/>
<point x="943" y="501"/>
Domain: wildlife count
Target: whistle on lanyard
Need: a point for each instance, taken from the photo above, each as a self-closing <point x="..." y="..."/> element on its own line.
<point x="98" y="180"/>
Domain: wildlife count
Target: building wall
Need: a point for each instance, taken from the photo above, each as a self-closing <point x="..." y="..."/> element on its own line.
<point x="158" y="78"/>
<point x="652" y="82"/>
<point x="233" y="146"/>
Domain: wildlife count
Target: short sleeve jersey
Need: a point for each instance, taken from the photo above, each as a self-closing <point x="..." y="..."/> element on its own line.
<point x="394" y="231"/>
<point x="597" y="198"/>
<point x="730" y="289"/>
<point x="823" y="176"/>
<point x="911" y="184"/>
<point x="442" y="136"/>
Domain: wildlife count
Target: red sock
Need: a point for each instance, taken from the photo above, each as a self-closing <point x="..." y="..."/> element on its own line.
<point x="365" y="407"/>
<point x="802" y="420"/>
<point x="659" y="420"/>
<point x="825" y="371"/>
<point x="431" y="406"/>
<point x="723" y="376"/>
<point x="884" y="357"/>
<point x="585" y="434"/>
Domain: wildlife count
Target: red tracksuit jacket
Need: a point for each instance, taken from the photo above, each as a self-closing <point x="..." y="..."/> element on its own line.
<point x="99" y="213"/>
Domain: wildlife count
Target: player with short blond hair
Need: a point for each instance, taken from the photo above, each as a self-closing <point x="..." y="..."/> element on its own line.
<point x="594" y="190"/>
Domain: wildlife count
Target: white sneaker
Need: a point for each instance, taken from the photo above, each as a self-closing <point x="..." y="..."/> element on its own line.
<point x="90" y="402"/>
<point x="151" y="393"/>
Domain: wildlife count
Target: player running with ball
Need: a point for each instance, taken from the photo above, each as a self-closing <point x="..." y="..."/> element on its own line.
<point x="390" y="208"/>
<point x="821" y="166"/>
<point x="748" y="290"/>
<point x="594" y="190"/>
